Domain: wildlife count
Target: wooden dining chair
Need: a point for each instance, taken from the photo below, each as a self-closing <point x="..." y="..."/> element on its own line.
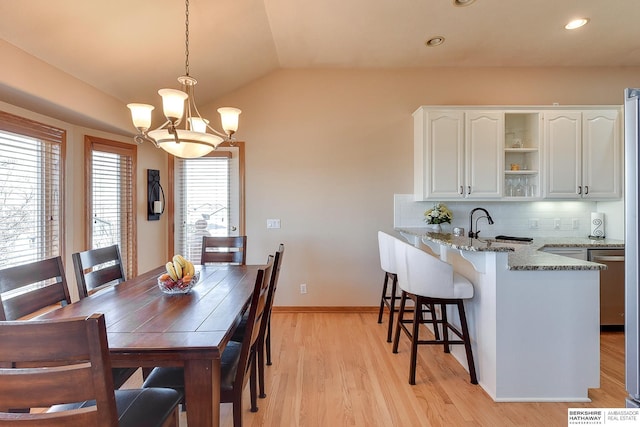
<point x="230" y="250"/>
<point x="264" y="340"/>
<point x="26" y="289"/>
<point x="64" y="365"/>
<point x="238" y="360"/>
<point x="97" y="269"/>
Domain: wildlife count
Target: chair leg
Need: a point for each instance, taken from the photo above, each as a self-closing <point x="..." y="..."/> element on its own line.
<point x="252" y="381"/>
<point x="434" y="319"/>
<point x="383" y="297"/>
<point x="467" y="342"/>
<point x="417" y="320"/>
<point x="403" y="301"/>
<point x="445" y="328"/>
<point x="392" y="305"/>
<point x="268" y="341"/>
<point x="260" y="361"/>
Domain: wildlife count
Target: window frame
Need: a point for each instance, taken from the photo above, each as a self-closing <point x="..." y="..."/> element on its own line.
<point x="101" y="144"/>
<point x="54" y="135"/>
<point x="241" y="192"/>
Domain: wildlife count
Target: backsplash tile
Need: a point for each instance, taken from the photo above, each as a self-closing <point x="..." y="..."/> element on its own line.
<point x="513" y="218"/>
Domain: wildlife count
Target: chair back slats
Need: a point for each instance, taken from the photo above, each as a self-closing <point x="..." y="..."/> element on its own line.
<point x="36" y="285"/>
<point x="57" y="362"/>
<point x="91" y="272"/>
<point x="273" y="284"/>
<point x="256" y="313"/>
<point x="232" y="249"/>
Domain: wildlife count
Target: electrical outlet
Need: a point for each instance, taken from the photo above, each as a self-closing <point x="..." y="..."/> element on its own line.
<point x="303" y="288"/>
<point x="575" y="222"/>
<point x="556" y="224"/>
<point x="533" y="223"/>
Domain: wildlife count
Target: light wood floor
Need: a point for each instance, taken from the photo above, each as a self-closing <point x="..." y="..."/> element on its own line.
<point x="336" y="369"/>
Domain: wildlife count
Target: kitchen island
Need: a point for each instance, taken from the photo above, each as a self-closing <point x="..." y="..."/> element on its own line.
<point x="534" y="318"/>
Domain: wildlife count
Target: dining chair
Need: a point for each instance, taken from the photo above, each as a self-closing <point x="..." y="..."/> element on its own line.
<point x="26" y="289"/>
<point x="217" y="249"/>
<point x="238" y="359"/>
<point x="98" y="269"/>
<point x="64" y="366"/>
<point x="264" y="340"/>
<point x="427" y="280"/>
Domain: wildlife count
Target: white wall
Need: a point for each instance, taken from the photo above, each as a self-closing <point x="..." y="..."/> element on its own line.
<point x="326" y="150"/>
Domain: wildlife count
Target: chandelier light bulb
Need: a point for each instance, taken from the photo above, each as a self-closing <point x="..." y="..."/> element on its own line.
<point x="198" y="124"/>
<point x="229" y="117"/>
<point x="141" y="116"/>
<point x="173" y="104"/>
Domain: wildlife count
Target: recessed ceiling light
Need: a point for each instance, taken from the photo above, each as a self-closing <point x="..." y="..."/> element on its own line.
<point x="462" y="2"/>
<point x="434" y="41"/>
<point x="576" y="23"/>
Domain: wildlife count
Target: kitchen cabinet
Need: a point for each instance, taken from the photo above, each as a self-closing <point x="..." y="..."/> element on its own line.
<point x="458" y="154"/>
<point x="583" y="154"/>
<point x="522" y="155"/>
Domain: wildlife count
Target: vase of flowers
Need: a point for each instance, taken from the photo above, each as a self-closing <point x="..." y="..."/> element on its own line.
<point x="437" y="215"/>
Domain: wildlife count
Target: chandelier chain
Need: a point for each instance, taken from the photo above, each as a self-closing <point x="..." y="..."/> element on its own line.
<point x="186" y="38"/>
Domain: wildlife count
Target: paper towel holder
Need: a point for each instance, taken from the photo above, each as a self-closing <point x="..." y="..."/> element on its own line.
<point x="597" y="226"/>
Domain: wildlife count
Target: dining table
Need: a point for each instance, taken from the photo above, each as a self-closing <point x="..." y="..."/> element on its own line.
<point x="148" y="328"/>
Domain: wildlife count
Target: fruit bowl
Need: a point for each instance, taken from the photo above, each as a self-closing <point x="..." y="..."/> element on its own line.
<point x="180" y="286"/>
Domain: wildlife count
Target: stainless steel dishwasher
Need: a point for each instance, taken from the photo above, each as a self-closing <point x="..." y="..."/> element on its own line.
<point x="611" y="286"/>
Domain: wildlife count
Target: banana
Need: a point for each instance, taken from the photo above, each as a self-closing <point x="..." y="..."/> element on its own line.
<point x="171" y="271"/>
<point x="190" y="269"/>
<point x="180" y="260"/>
<point x="178" y="269"/>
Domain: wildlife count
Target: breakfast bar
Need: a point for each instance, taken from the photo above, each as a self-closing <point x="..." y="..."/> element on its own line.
<point x="533" y="320"/>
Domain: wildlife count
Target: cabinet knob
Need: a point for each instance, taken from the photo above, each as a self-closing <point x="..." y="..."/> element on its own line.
<point x="579" y="189"/>
<point x="469" y="189"/>
<point x="586" y="190"/>
<point x="461" y="192"/>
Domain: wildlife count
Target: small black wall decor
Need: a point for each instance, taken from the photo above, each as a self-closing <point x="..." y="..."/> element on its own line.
<point x="155" y="195"/>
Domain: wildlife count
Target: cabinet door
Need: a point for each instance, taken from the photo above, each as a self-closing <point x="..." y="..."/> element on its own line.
<point x="601" y="154"/>
<point x="484" y="142"/>
<point x="562" y="137"/>
<point x="443" y="155"/>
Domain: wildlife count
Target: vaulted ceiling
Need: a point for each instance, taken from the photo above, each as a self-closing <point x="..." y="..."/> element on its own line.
<point x="130" y="48"/>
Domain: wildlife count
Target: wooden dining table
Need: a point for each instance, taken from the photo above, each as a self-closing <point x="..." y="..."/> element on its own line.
<point x="147" y="328"/>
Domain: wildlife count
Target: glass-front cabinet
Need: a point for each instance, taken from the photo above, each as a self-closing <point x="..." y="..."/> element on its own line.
<point x="522" y="144"/>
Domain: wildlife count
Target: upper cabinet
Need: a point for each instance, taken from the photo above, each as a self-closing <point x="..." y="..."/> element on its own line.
<point x="583" y="154"/>
<point x="517" y="153"/>
<point x="458" y="154"/>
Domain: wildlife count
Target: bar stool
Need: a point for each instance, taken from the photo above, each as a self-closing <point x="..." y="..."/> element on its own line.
<point x="386" y="247"/>
<point x="427" y="280"/>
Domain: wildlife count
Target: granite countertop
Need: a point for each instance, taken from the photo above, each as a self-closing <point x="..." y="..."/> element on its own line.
<point x="522" y="255"/>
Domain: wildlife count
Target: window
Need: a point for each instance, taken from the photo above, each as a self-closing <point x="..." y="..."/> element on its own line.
<point x="31" y="190"/>
<point x="208" y="199"/>
<point x="111" y="201"/>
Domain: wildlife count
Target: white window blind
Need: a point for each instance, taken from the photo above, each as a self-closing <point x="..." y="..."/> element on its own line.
<point x="112" y="200"/>
<point x="202" y="201"/>
<point x="30" y="190"/>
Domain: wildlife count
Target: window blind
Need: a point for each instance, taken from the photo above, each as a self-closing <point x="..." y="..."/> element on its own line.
<point x="112" y="201"/>
<point x="202" y="201"/>
<point x="31" y="183"/>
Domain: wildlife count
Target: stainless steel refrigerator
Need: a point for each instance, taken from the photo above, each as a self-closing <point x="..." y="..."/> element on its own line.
<point x="632" y="245"/>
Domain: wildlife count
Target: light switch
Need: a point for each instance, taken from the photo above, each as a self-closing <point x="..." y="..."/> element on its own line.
<point x="273" y="223"/>
<point x="556" y="223"/>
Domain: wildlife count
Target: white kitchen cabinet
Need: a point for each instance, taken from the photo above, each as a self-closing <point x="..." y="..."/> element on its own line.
<point x="583" y="154"/>
<point x="458" y="154"/>
<point x="522" y="161"/>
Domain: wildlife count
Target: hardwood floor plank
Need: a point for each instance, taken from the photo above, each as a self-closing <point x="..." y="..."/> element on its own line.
<point x="336" y="369"/>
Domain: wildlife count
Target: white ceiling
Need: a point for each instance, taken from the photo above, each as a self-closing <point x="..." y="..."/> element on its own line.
<point x="130" y="48"/>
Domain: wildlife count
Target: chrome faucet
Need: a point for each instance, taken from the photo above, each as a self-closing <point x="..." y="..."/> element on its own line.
<point x="486" y="215"/>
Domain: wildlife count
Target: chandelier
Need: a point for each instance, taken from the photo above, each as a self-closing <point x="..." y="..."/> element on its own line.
<point x="192" y="140"/>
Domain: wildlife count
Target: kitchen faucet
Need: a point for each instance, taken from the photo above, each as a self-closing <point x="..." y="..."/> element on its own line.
<point x="489" y="219"/>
